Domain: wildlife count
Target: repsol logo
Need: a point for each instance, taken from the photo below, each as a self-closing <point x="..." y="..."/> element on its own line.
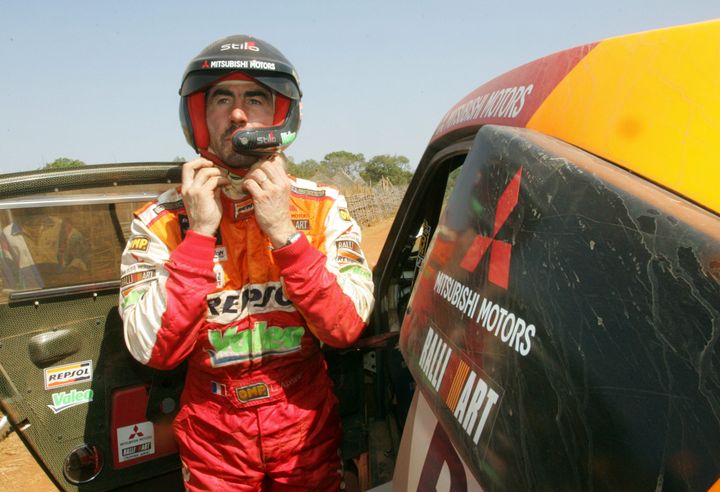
<point x="232" y="305"/>
<point x="68" y="374"/>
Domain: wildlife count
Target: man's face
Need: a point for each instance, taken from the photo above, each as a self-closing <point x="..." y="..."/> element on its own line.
<point x="231" y="105"/>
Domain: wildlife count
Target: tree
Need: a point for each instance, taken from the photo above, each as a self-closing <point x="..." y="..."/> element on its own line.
<point x="63" y="162"/>
<point x="179" y="159"/>
<point x="342" y="160"/>
<point x="396" y="168"/>
<point x="306" y="169"/>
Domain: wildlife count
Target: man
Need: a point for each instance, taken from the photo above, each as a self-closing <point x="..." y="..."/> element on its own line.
<point x="245" y="271"/>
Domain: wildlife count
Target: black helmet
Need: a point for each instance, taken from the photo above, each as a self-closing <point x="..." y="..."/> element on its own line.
<point x="248" y="58"/>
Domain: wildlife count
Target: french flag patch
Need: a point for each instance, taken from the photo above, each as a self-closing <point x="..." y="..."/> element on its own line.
<point x="218" y="388"/>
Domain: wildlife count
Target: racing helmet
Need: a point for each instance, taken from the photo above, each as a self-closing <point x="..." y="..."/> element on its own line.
<point x="247" y="58"/>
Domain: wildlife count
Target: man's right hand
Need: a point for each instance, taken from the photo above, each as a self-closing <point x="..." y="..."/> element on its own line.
<point x="201" y="183"/>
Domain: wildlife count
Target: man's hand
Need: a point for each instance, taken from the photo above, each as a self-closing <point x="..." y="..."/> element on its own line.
<point x="269" y="185"/>
<point x="201" y="183"/>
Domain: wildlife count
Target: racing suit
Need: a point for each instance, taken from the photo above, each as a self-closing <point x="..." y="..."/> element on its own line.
<point x="257" y="403"/>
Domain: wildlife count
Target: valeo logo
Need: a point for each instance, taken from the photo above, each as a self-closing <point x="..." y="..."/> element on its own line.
<point x="233" y="347"/>
<point x="287" y="137"/>
<point x="67" y="399"/>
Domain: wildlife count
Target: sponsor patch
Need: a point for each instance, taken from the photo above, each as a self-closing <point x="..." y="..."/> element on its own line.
<point x="301" y="224"/>
<point x="356" y="270"/>
<point x="253" y="392"/>
<point x="234" y="347"/>
<point x="68" y="374"/>
<point x="232" y="305"/>
<point x="136" y="278"/>
<point x="287" y="137"/>
<point x="132" y="296"/>
<point x="345" y="258"/>
<point x="219" y="275"/>
<point x="351" y="254"/>
<point x="243" y="210"/>
<point x="307" y="192"/>
<point x="169" y="206"/>
<point x="344" y="214"/>
<point x="68" y="399"/>
<point x="218" y="388"/>
<point x="470" y="395"/>
<point x="348" y="244"/>
<point x="220" y="254"/>
<point x="138" y="243"/>
<point x="135" y="441"/>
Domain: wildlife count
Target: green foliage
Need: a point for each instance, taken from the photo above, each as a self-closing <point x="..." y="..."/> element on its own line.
<point x="179" y="159"/>
<point x="395" y="168"/>
<point x="351" y="164"/>
<point x="306" y="169"/>
<point x="63" y="162"/>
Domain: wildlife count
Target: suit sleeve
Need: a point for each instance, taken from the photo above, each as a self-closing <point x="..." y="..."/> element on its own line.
<point x="332" y="291"/>
<point x="163" y="295"/>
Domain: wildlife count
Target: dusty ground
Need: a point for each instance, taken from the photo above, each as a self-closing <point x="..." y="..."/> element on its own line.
<point x="18" y="470"/>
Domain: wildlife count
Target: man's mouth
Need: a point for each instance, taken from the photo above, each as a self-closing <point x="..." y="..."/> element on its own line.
<point x="229" y="132"/>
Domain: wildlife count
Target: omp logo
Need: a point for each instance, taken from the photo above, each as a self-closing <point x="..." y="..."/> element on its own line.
<point x="139" y="243"/>
<point x="344" y="214"/>
<point x="252" y="392"/>
<point x="500" y="251"/>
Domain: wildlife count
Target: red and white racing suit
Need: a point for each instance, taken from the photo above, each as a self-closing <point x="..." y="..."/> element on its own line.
<point x="258" y="403"/>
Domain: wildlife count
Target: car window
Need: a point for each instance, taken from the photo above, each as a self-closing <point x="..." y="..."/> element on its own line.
<point x="431" y="201"/>
<point x="64" y="240"/>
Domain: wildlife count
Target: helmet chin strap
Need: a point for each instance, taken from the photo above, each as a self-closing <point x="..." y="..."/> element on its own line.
<point x="238" y="171"/>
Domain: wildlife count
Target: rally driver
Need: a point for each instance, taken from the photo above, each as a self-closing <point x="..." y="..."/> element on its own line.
<point x="244" y="271"/>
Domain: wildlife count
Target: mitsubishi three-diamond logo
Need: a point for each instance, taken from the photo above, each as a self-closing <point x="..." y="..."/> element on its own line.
<point x="136" y="433"/>
<point x="500" y="251"/>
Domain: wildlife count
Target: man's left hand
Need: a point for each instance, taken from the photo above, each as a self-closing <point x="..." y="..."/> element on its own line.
<point x="269" y="185"/>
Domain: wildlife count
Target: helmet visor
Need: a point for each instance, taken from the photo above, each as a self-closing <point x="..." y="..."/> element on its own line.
<point x="197" y="81"/>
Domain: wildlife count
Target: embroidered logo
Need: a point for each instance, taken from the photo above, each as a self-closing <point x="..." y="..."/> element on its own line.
<point x="253" y="392"/>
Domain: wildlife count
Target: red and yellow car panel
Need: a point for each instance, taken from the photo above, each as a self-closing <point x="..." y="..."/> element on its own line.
<point x="648" y="102"/>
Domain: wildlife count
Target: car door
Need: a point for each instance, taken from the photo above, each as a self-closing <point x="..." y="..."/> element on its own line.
<point x="92" y="416"/>
<point x="560" y="324"/>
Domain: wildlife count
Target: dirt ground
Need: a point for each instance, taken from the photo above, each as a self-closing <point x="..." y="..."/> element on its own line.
<point x="20" y="472"/>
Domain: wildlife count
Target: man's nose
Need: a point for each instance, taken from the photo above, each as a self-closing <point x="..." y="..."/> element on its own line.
<point x="238" y="117"/>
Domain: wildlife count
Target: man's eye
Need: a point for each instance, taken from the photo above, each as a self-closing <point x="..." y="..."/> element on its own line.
<point x="256" y="101"/>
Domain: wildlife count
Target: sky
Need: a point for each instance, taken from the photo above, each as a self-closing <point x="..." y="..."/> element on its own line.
<point x="98" y="81"/>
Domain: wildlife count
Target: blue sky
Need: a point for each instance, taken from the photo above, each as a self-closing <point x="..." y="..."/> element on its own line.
<point x="98" y="81"/>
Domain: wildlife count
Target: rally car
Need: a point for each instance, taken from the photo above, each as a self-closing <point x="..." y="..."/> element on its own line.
<point x="547" y="304"/>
